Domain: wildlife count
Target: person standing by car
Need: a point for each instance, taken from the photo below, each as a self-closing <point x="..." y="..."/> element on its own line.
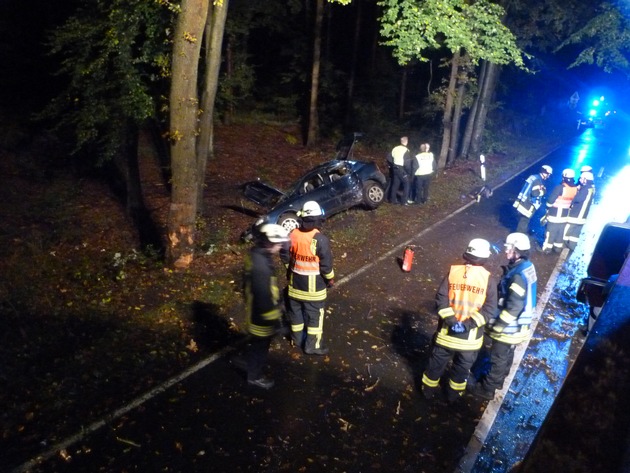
<point x="512" y="324"/>
<point x="399" y="156"/>
<point x="466" y="299"/>
<point x="558" y="205"/>
<point x="309" y="262"/>
<point x="578" y="211"/>
<point x="263" y="301"/>
<point x="530" y="197"/>
<point x="423" y="172"/>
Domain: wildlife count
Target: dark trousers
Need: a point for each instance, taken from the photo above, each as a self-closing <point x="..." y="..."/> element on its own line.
<point x="523" y="223"/>
<point x="554" y="236"/>
<point x="501" y="358"/>
<point x="307" y="323"/>
<point x="462" y="362"/>
<point x="256" y="354"/>
<point x="421" y="188"/>
<point x="399" y="181"/>
<point x="572" y="235"/>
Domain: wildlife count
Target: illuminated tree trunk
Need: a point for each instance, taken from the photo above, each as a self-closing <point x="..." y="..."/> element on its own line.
<point x="184" y="111"/>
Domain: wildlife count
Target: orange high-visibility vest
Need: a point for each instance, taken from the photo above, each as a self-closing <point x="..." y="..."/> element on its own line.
<point x="467" y="289"/>
<point x="304" y="259"/>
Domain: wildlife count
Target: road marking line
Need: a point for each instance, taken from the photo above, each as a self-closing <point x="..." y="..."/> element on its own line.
<point x="480" y="434"/>
<point x="107" y="419"/>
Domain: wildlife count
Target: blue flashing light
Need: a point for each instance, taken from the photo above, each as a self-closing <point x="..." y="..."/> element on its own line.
<point x="592" y="113"/>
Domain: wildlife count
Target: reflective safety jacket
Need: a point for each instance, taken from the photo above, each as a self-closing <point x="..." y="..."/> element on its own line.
<point x="517" y="302"/>
<point x="425" y="164"/>
<point x="468" y="294"/>
<point x="559" y="202"/>
<point x="262" y="296"/>
<point x="399" y="155"/>
<point x="530" y="196"/>
<point x="581" y="204"/>
<point x="310" y="265"/>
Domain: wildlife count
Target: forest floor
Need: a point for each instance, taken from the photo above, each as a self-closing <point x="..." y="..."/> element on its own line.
<point x="89" y="320"/>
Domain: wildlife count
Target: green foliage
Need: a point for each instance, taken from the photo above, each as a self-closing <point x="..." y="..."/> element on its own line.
<point x="605" y="40"/>
<point x="412" y="27"/>
<point x="114" y="55"/>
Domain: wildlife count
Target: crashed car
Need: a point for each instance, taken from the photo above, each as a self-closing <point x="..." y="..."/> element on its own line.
<point x="335" y="185"/>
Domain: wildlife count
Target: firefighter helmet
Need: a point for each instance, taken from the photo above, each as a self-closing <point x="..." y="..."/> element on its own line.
<point x="568" y="174"/>
<point x="272" y="233"/>
<point x="478" y="248"/>
<point x="519" y="241"/>
<point x="587" y="175"/>
<point x="545" y="169"/>
<point x="311" y="209"/>
<point x="586" y="169"/>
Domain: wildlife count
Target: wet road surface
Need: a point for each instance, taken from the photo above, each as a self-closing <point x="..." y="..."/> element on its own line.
<point x="359" y="408"/>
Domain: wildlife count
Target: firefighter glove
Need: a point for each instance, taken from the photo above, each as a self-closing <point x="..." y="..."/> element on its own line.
<point x="459" y="327"/>
<point x="330" y="283"/>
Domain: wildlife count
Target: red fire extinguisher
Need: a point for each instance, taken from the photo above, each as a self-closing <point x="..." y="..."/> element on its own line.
<point x="407" y="259"/>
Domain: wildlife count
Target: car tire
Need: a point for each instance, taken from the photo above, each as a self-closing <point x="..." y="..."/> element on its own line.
<point x="373" y="194"/>
<point x="289" y="221"/>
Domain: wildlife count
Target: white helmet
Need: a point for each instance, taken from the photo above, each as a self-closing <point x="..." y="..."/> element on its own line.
<point x="587" y="175"/>
<point x="568" y="173"/>
<point x="479" y="248"/>
<point x="273" y="233"/>
<point x="545" y="169"/>
<point x="586" y="169"/>
<point x="520" y="241"/>
<point x="311" y="209"/>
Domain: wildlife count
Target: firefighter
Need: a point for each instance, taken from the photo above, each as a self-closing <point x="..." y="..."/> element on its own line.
<point x="465" y="300"/>
<point x="530" y="197"/>
<point x="580" y="206"/>
<point x="422" y="172"/>
<point x="263" y="301"/>
<point x="399" y="159"/>
<point x="557" y="215"/>
<point x="512" y="324"/>
<point x="309" y="262"/>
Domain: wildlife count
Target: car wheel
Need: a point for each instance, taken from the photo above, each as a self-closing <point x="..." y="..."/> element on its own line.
<point x="289" y="221"/>
<point x="373" y="194"/>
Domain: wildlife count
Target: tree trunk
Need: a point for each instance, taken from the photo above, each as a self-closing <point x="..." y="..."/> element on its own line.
<point x="486" y="93"/>
<point x="353" y="65"/>
<point x="448" y="112"/>
<point x="403" y="93"/>
<point x="457" y="116"/>
<point x="472" y="114"/>
<point x="213" y="39"/>
<point x="184" y="108"/>
<point x="313" y="118"/>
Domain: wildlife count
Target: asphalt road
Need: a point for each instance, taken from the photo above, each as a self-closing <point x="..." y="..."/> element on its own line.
<point x="359" y="408"/>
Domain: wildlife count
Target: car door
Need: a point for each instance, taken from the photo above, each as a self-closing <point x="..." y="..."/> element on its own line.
<point x="345" y="186"/>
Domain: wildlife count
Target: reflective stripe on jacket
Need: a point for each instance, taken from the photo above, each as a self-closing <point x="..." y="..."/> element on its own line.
<point x="517" y="303"/>
<point x="558" y="208"/>
<point x="529" y="198"/>
<point x="581" y="204"/>
<point x="310" y="265"/>
<point x="262" y="296"/>
<point x="467" y="294"/>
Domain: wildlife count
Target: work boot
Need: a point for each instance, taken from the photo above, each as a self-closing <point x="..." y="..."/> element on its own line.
<point x="429" y="393"/>
<point x="478" y="390"/>
<point x="316" y="351"/>
<point x="453" y="396"/>
<point x="262" y="382"/>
